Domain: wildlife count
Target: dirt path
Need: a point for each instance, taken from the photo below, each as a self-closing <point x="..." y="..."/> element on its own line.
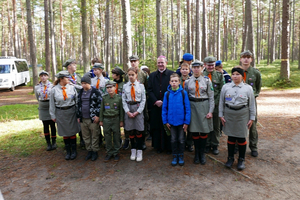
<point x="274" y="173"/>
<point x="21" y="95"/>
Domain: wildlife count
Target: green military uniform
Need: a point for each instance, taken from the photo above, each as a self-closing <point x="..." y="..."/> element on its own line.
<point x="119" y="83"/>
<point x="217" y="81"/>
<point x="75" y="79"/>
<point x="111" y="114"/>
<point x="253" y="78"/>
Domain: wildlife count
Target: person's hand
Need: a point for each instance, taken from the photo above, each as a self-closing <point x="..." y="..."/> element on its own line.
<point x="249" y="124"/>
<point x="96" y="120"/>
<point x="209" y="115"/>
<point x="121" y="124"/>
<point x="135" y="114"/>
<point x="223" y="120"/>
<point x="158" y="103"/>
<point x="100" y="123"/>
<point x="130" y="115"/>
<point x="54" y="120"/>
<point x="168" y="125"/>
<point x="185" y="126"/>
<point x="78" y="120"/>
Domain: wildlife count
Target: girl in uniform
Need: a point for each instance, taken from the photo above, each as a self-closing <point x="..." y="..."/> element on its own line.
<point x="42" y="93"/>
<point x="63" y="112"/>
<point x="201" y="96"/>
<point x="237" y="113"/>
<point x="134" y="99"/>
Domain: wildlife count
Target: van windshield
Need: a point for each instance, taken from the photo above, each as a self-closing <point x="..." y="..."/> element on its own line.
<point x="4" y="69"/>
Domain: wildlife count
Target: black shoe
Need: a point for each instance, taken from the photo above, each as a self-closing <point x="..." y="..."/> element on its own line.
<point x="202" y="158"/>
<point x="94" y="156"/>
<point x="107" y="158"/>
<point x="236" y="149"/>
<point x="190" y="148"/>
<point x="126" y="144"/>
<point x="144" y="147"/>
<point x="82" y="144"/>
<point x="254" y="153"/>
<point x="149" y="138"/>
<point x="207" y="149"/>
<point x="54" y="145"/>
<point x="241" y="164"/>
<point x="117" y="158"/>
<point x="215" y="150"/>
<point x="49" y="146"/>
<point x="89" y="155"/>
<point x="196" y="158"/>
<point x="74" y="151"/>
<point x="68" y="149"/>
<point x="230" y="161"/>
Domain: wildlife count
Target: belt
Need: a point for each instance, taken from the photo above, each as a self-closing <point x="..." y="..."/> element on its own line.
<point x="111" y="116"/>
<point x="132" y="102"/>
<point x="65" y="108"/>
<point x="44" y="100"/>
<point x="197" y="100"/>
<point x="235" y="108"/>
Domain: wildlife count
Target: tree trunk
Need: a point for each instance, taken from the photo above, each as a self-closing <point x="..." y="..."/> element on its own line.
<point x="15" y="28"/>
<point x="269" y="32"/>
<point x="293" y="32"/>
<point x="178" y="43"/>
<point x="158" y="28"/>
<point x="47" y="46"/>
<point x="257" y="32"/>
<point x="204" y="32"/>
<point x="285" y="65"/>
<point x="197" y="42"/>
<point x="10" y="38"/>
<point x="53" y="52"/>
<point x="250" y="35"/>
<point x="32" y="45"/>
<point x="272" y="52"/>
<point x="85" y="41"/>
<point x="172" y="27"/>
<point x="299" y="46"/>
<point x="218" y="30"/>
<point x="112" y="36"/>
<point x="127" y="48"/>
<point x="188" y="28"/>
<point x="61" y="33"/>
<point x="3" y="42"/>
<point x="107" y="27"/>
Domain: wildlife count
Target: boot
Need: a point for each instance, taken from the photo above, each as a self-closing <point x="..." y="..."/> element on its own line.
<point x="139" y="155"/>
<point x="201" y="151"/>
<point x="68" y="150"/>
<point x="47" y="137"/>
<point x="94" y="156"/>
<point x="180" y="159"/>
<point x="126" y="143"/>
<point x="89" y="155"/>
<point x="133" y="154"/>
<point x="241" y="164"/>
<point x="73" y="149"/>
<point x="207" y="149"/>
<point x="174" y="161"/>
<point x="49" y="146"/>
<point x="54" y="146"/>
<point x="230" y="161"/>
<point x="215" y="150"/>
<point x="196" y="158"/>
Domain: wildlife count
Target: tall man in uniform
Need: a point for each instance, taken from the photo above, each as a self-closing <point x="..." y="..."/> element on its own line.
<point x="217" y="81"/>
<point x="75" y="80"/>
<point x="157" y="86"/>
<point x="142" y="78"/>
<point x="252" y="77"/>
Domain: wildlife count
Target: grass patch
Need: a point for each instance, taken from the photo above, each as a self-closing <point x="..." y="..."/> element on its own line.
<point x="18" y="112"/>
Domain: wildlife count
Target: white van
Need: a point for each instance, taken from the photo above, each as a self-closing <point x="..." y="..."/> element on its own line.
<point x="13" y="72"/>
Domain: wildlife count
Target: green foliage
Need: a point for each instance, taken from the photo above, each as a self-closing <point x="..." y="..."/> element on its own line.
<point x="18" y="112"/>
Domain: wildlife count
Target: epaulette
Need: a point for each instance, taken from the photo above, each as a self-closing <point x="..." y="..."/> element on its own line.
<point x="206" y="77"/>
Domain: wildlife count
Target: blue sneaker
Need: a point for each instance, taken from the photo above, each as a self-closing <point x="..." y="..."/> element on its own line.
<point x="174" y="161"/>
<point x="180" y="159"/>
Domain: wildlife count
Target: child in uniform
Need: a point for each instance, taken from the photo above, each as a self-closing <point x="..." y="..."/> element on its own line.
<point x="176" y="115"/>
<point x="134" y="99"/>
<point x="111" y="118"/>
<point x="117" y="75"/>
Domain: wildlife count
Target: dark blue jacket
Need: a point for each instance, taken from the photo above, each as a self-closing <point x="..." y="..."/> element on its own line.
<point x="173" y="110"/>
<point x="226" y="77"/>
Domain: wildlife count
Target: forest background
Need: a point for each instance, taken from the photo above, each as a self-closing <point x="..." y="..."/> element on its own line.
<point x="48" y="32"/>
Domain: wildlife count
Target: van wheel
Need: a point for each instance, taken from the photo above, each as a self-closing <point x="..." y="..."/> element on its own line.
<point x="25" y="83"/>
<point x="12" y="86"/>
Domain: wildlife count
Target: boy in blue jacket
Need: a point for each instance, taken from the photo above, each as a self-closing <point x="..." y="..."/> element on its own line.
<point x="176" y="115"/>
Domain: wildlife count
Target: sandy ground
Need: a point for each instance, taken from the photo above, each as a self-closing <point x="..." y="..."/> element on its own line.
<point x="274" y="174"/>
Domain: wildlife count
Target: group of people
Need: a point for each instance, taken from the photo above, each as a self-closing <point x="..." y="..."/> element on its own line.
<point x="182" y="109"/>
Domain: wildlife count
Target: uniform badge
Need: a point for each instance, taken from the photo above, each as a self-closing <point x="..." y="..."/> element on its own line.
<point x="107" y="104"/>
<point x="215" y="85"/>
<point x="115" y="104"/>
<point x="107" y="107"/>
<point x="228" y="98"/>
<point x="241" y="95"/>
<point x="214" y="81"/>
<point x="251" y="83"/>
<point x="250" y="79"/>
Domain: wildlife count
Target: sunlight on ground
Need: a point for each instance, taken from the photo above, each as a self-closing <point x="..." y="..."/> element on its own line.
<point x="18" y="126"/>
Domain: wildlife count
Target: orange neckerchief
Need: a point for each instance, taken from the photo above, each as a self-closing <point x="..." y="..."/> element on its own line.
<point x="64" y="93"/>
<point x="183" y="83"/>
<point x="245" y="75"/>
<point x="116" y="91"/>
<point x="98" y="83"/>
<point x="73" y="77"/>
<point x="209" y="76"/>
<point x="197" y="92"/>
<point x="46" y="96"/>
<point x="132" y="92"/>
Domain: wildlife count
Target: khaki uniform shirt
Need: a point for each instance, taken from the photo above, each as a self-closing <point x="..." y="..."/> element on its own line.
<point x="57" y="98"/>
<point x="253" y="78"/>
<point x="102" y="88"/>
<point x="120" y="88"/>
<point x="183" y="81"/>
<point x="205" y="89"/>
<point x="140" y="95"/>
<point x="39" y="91"/>
<point x="218" y="81"/>
<point x="237" y="96"/>
<point x="111" y="106"/>
<point x="142" y="78"/>
<point x="77" y="82"/>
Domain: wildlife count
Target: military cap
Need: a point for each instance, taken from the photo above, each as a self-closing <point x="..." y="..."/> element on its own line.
<point x="210" y="59"/>
<point x="86" y="78"/>
<point x="43" y="72"/>
<point x="98" y="66"/>
<point x="187" y="57"/>
<point x="197" y="63"/>
<point x="218" y="62"/>
<point x="134" y="57"/>
<point x="62" y="74"/>
<point x="246" y="53"/>
<point x="110" y="83"/>
<point x="117" y="70"/>
<point x="68" y="62"/>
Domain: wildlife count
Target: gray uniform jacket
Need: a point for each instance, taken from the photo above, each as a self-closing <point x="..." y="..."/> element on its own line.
<point x="39" y="89"/>
<point x="57" y="98"/>
<point x="205" y="87"/>
<point x="237" y="96"/>
<point x="102" y="88"/>
<point x="140" y="95"/>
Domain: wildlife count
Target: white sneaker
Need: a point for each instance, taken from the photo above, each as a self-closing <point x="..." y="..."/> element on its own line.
<point x="133" y="154"/>
<point x="139" y="156"/>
